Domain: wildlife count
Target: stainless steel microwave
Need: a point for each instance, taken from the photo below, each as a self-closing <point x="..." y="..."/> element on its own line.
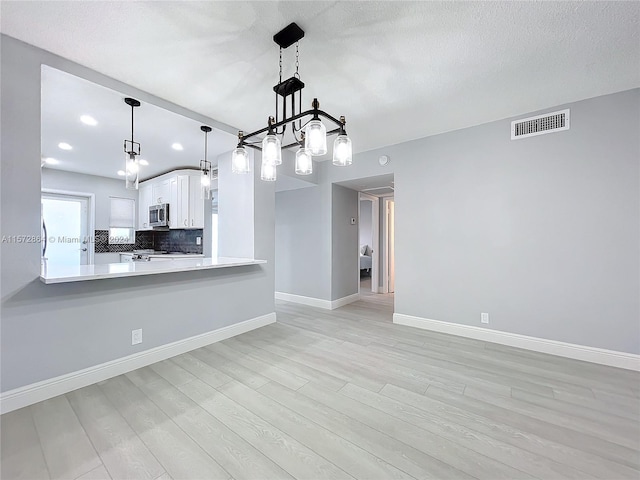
<point x="159" y="215"/>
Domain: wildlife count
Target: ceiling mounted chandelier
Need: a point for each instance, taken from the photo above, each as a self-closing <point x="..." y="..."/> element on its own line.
<point x="310" y="138"/>
<point x="132" y="152"/>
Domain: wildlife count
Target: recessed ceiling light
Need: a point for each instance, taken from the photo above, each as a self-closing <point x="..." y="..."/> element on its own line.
<point x="143" y="162"/>
<point x="121" y="173"/>
<point x="177" y="146"/>
<point x="65" y="146"/>
<point x="51" y="161"/>
<point x="88" y="120"/>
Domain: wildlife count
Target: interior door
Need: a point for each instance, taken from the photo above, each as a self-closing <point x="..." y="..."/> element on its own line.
<point x="66" y="219"/>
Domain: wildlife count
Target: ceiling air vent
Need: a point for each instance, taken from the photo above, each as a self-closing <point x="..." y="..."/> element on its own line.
<point x="540" y="124"/>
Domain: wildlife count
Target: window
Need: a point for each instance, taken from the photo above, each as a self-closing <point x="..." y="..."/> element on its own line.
<point x="122" y="221"/>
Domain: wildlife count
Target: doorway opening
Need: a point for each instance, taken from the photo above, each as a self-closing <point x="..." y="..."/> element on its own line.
<point x="389" y="266"/>
<point x="369" y="240"/>
<point x="67" y="220"/>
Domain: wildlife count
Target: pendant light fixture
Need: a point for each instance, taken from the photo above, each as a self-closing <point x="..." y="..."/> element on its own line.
<point x="132" y="152"/>
<point x="205" y="168"/>
<point x="309" y="139"/>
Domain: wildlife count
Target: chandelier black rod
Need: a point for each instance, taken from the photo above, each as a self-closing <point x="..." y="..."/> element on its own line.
<point x="258" y="147"/>
<point x="313" y="112"/>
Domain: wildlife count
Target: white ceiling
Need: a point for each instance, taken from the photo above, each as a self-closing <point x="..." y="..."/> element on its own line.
<point x="396" y="70"/>
<point x="99" y="149"/>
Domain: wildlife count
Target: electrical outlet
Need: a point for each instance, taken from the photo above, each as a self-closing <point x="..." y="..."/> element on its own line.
<point x="198" y="240"/>
<point x="136" y="336"/>
<point x="484" y="318"/>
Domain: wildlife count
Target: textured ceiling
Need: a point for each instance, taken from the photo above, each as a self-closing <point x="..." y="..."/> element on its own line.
<point x="396" y="70"/>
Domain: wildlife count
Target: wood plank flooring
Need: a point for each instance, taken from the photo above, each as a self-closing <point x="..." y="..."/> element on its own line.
<point x="341" y="394"/>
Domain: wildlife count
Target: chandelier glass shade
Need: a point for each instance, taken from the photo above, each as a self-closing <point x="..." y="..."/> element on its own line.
<point x="287" y="129"/>
<point x="342" y="151"/>
<point x="272" y="150"/>
<point x="316" y="138"/>
<point x="304" y="162"/>
<point x="240" y="161"/>
<point x="268" y="171"/>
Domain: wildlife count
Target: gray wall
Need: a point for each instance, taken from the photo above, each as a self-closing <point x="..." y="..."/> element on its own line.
<point x="365" y="233"/>
<point x="303" y="244"/>
<point x="101" y="187"/>
<point x="344" y="243"/>
<point x="543" y="232"/>
<point x="50" y="330"/>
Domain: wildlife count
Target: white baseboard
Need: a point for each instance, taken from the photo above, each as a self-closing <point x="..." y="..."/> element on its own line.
<point x="37" y="392"/>
<point x="341" y="302"/>
<point x="318" y="302"/>
<point x="302" y="300"/>
<point x="601" y="356"/>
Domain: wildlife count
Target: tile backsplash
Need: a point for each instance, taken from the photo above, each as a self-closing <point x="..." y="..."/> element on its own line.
<point x="183" y="241"/>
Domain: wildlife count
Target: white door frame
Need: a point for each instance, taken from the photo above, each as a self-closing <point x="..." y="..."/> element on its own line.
<point x="385" y="228"/>
<point x="375" y="233"/>
<point x="91" y="231"/>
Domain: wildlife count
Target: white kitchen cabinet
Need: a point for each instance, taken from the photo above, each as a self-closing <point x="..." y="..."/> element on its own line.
<point x="145" y="200"/>
<point x="184" y="219"/>
<point x="196" y="202"/>
<point x="182" y="191"/>
<point x="161" y="191"/>
<point x="174" y="220"/>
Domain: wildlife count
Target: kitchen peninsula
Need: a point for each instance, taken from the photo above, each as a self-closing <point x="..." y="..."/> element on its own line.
<point x="79" y="273"/>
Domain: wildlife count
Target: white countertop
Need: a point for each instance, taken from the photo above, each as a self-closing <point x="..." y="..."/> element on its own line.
<point x="79" y="273"/>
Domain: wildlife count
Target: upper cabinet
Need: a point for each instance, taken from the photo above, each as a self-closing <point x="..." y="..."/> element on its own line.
<point x="145" y="200"/>
<point x="182" y="191"/>
<point x="196" y="202"/>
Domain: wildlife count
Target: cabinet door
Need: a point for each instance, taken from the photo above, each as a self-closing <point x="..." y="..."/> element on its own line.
<point x="183" y="202"/>
<point x="174" y="209"/>
<point x="145" y="199"/>
<point x="161" y="192"/>
<point x="196" y="202"/>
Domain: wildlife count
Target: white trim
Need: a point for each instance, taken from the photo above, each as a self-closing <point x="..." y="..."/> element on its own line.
<point x="341" y="302"/>
<point x="318" y="302"/>
<point x="37" y="392"/>
<point x="601" y="356"/>
<point x="385" y="261"/>
<point x="302" y="300"/>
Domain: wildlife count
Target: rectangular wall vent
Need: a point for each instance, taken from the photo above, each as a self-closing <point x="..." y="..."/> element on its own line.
<point x="540" y="124"/>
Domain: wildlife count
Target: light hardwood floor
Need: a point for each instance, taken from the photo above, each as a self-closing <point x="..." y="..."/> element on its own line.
<point x="338" y="394"/>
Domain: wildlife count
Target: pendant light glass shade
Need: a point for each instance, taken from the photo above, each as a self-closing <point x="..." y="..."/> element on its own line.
<point x="132" y="170"/>
<point x="342" y="151"/>
<point x="304" y="162"/>
<point x="268" y="172"/>
<point x="205" y="183"/>
<point x="240" y="161"/>
<point x="315" y="139"/>
<point x="271" y="150"/>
